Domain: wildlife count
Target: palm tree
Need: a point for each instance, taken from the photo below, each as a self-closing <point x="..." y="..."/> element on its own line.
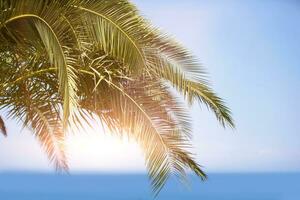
<point x="64" y="63"/>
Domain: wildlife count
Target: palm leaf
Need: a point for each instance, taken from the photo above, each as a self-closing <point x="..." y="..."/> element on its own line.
<point x="34" y="101"/>
<point x="148" y="119"/>
<point x="2" y="127"/>
<point x="114" y="27"/>
<point x="37" y="114"/>
<point x="53" y="32"/>
<point x="193" y="86"/>
<point x="68" y="62"/>
<point x="49" y="131"/>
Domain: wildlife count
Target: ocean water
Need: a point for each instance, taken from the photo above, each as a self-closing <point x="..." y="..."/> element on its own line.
<point x="16" y="186"/>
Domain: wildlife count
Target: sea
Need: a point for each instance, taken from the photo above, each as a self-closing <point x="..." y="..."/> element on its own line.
<point x="219" y="186"/>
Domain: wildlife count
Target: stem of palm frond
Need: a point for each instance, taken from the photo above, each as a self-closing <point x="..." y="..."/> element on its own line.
<point x="39" y="72"/>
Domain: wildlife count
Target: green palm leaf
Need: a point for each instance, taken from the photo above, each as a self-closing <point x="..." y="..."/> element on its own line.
<point x="190" y="80"/>
<point x="112" y="27"/>
<point x="46" y="18"/>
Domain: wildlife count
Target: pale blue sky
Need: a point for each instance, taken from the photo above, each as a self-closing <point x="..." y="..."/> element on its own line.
<point x="251" y="50"/>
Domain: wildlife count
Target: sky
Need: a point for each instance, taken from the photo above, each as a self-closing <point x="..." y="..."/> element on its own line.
<point x="251" y="51"/>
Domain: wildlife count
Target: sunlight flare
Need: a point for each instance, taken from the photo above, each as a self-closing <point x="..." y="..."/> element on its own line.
<point x="97" y="151"/>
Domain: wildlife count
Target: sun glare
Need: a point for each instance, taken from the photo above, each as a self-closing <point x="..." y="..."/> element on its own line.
<point x="93" y="150"/>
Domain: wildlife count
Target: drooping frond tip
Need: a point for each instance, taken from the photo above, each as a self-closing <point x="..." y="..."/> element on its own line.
<point x="3" y="127"/>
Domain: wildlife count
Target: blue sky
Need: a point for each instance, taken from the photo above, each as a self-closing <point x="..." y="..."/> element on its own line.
<point x="251" y="51"/>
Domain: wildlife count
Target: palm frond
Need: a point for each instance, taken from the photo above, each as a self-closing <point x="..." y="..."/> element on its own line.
<point x="54" y="33"/>
<point x="34" y="101"/>
<point x="192" y="85"/>
<point x="68" y="62"/>
<point x="2" y="127"/>
<point x="151" y="121"/>
<point x="37" y="112"/>
<point x="49" y="131"/>
<point x="64" y="64"/>
<point x="114" y="27"/>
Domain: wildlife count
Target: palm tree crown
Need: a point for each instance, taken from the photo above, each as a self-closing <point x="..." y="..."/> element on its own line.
<point x="64" y="63"/>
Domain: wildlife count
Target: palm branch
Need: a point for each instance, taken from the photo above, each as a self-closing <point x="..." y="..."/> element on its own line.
<point x="63" y="62"/>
